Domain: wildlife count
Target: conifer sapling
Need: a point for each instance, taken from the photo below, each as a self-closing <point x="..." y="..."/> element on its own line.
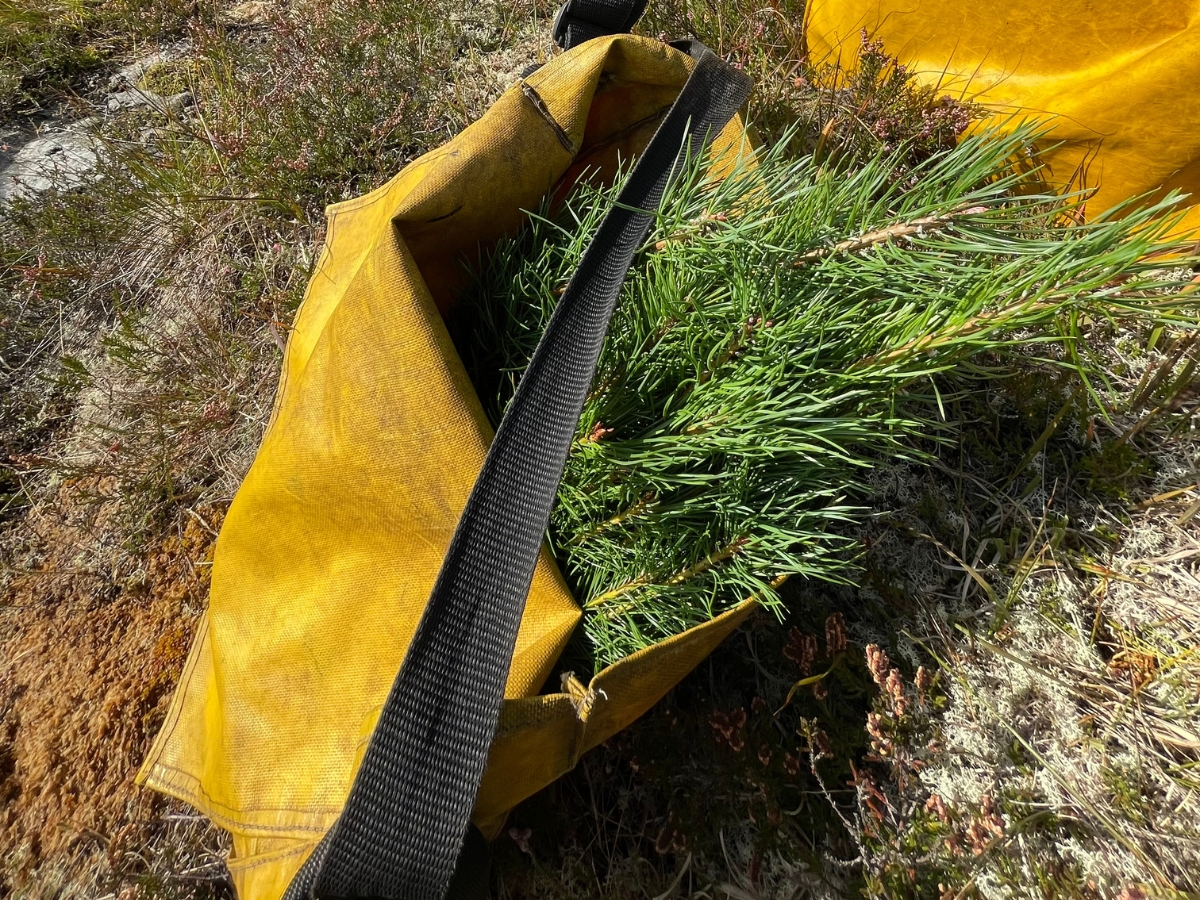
<point x="782" y="332"/>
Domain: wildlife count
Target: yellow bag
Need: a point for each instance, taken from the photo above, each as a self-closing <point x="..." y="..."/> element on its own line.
<point x="1118" y="78"/>
<point x="331" y="547"/>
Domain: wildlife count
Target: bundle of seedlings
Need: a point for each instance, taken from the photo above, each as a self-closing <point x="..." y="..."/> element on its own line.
<point x="783" y="331"/>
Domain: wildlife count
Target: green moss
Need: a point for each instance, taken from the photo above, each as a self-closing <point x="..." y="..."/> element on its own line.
<point x="170" y="77"/>
<point x="1117" y="470"/>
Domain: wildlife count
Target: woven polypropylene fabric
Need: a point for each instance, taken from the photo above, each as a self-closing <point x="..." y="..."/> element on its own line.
<point x="403" y="825"/>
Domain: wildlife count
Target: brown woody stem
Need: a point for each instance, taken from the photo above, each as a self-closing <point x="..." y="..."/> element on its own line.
<point x="885" y="235"/>
<point x="699" y="568"/>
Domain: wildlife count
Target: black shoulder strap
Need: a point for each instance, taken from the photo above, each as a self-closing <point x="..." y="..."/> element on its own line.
<point x="402" y="832"/>
<point x="581" y="20"/>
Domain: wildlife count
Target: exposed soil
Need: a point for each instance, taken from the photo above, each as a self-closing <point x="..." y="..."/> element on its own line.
<point x="91" y="654"/>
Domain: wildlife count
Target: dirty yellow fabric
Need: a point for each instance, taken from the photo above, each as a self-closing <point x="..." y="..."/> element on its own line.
<point x="1119" y="78"/>
<point x="331" y="547"/>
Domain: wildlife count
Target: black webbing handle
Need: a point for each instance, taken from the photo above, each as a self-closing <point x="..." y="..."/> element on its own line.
<point x="407" y="816"/>
<point x="581" y="20"/>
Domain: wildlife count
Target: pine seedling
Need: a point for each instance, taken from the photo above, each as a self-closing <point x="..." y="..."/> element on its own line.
<point x="781" y="333"/>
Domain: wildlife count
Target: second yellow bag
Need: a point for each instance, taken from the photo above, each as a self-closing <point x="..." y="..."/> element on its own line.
<point x="1116" y="80"/>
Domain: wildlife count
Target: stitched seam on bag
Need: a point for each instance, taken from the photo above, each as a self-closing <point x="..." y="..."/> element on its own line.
<point x="250" y="862"/>
<point x="197" y="789"/>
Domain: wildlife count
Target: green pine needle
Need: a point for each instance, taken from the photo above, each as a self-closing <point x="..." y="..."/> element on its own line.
<point x="781" y="333"/>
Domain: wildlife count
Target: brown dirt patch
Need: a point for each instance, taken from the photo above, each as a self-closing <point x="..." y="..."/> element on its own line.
<point x="93" y="638"/>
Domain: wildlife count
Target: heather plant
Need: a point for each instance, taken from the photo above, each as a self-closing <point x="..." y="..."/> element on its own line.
<point x="895" y="110"/>
<point x="341" y="96"/>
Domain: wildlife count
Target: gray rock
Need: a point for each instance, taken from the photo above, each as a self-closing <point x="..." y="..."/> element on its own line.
<point x="136" y="98"/>
<point x="179" y="101"/>
<point x="251" y="14"/>
<point x="131" y="99"/>
<point x="60" y="160"/>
